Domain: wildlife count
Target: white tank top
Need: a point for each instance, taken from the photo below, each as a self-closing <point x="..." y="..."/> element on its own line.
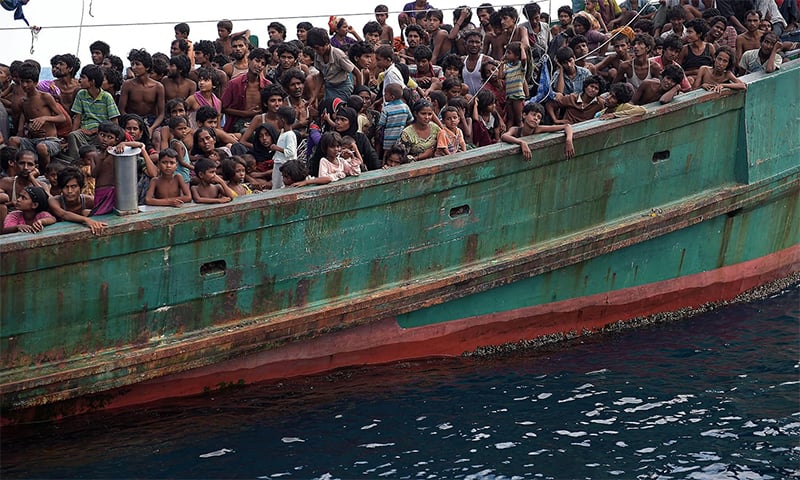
<point x="473" y="78"/>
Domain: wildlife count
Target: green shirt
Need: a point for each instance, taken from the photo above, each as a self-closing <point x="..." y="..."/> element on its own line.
<point x="94" y="111"/>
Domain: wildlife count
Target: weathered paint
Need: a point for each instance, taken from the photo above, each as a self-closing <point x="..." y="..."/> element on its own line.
<point x="164" y="293"/>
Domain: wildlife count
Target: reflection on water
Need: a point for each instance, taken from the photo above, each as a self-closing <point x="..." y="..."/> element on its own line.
<point x="715" y="396"/>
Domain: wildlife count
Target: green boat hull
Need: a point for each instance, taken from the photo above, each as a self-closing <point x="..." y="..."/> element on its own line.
<point x="695" y="202"/>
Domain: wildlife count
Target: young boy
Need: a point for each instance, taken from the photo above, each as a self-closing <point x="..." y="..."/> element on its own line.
<point x="532" y="117"/>
<point x="286" y="147"/>
<point x="71" y="205"/>
<point x="579" y="107"/>
<point x="381" y="14"/>
<point x="87" y="154"/>
<point x="110" y="136"/>
<point x="36" y="128"/>
<point x="617" y="106"/>
<point x="450" y="139"/>
<point x="395" y="115"/>
<point x="663" y="90"/>
<point x="92" y="106"/>
<point x="334" y="67"/>
<point x="168" y="189"/>
<point x="210" y="188"/>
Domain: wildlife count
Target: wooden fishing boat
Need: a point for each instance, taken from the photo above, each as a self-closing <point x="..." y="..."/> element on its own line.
<point x="695" y="202"/>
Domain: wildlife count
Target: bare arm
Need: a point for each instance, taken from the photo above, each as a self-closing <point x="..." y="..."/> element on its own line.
<point x="511" y="137"/>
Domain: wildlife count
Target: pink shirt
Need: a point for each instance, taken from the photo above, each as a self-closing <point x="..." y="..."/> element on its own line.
<point x="15" y="218"/>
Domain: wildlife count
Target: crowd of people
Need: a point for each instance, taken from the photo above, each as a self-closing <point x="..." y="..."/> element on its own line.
<point x="214" y="120"/>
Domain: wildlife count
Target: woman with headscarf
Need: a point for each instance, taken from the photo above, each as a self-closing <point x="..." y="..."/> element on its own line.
<point x="346" y="123"/>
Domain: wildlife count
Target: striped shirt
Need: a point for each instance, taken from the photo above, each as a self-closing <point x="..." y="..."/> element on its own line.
<point x="94" y="111"/>
<point x="394" y="117"/>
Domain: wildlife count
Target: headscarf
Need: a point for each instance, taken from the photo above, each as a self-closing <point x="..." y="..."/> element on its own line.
<point x="352" y="117"/>
<point x="260" y="152"/>
<point x="38" y="196"/>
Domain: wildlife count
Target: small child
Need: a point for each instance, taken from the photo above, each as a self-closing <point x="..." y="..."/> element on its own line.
<point x="111" y="136"/>
<point x="395" y="115"/>
<point x="286" y="147"/>
<point x="293" y="172"/>
<point x="179" y="130"/>
<point x="617" y="106"/>
<point x="350" y="154"/>
<point x="397" y="155"/>
<point x="168" y="189"/>
<point x="387" y="34"/>
<point x="331" y="167"/>
<point x="513" y="71"/>
<point x="51" y="174"/>
<point x="532" y="116"/>
<point x="210" y="187"/>
<point x="31" y="214"/>
<point x="233" y="171"/>
<point x="71" y="205"/>
<point x="486" y="123"/>
<point x="450" y="139"/>
<point x="87" y="154"/>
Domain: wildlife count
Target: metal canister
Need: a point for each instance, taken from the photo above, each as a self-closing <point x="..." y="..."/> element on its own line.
<point x="125" y="180"/>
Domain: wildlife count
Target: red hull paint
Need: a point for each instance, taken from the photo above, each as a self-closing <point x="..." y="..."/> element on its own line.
<point x="384" y="341"/>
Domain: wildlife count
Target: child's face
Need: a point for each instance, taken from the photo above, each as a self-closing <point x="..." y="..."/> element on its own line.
<point x="168" y="165"/>
<point x="301" y="34"/>
<point x="287" y="180"/>
<point x="670" y="54"/>
<point x="451" y="72"/>
<point x="87" y="158"/>
<point x="205" y="84"/>
<point x="453" y="92"/>
<point x="423" y="65"/>
<point x="181" y="131"/>
<point x="393" y="160"/>
<point x="346" y="151"/>
<point x="71" y="190"/>
<point x="24" y="202"/>
<point x="381" y="17"/>
<point x="210" y="123"/>
<point x="273" y="103"/>
<point x="658" y="50"/>
<point x="591" y="90"/>
<point x="451" y="120"/>
<point x="207" y="175"/>
<point x="178" y="110"/>
<point x="721" y="61"/>
<point x="611" y="101"/>
<point x="373" y="38"/>
<point x="532" y="119"/>
<point x="107" y="139"/>
<point x="333" y="151"/>
<point x="240" y="172"/>
<point x="5" y="75"/>
<point x="581" y="49"/>
<point x="223" y="32"/>
<point x="264" y="138"/>
<point x="83" y="82"/>
<point x="52" y="177"/>
<point x="511" y="56"/>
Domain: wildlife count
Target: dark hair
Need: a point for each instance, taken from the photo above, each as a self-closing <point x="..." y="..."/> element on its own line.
<point x="673" y="43"/>
<point x="457" y="14"/>
<point x="226" y="24"/>
<point x="115" y="62"/>
<point x="317" y="37"/>
<point x="71" y="61"/>
<point x="141" y="56"/>
<point x="287" y="48"/>
<point x="449" y="109"/>
<point x="278" y="27"/>
<point x="329" y="139"/>
<point x="451" y="82"/>
<point x="107" y="126"/>
<point x="160" y="66"/>
<point x="385" y="51"/>
<point x="576" y="40"/>
<point x="67" y="174"/>
<point x="168" y="152"/>
<point x="94" y="74"/>
<point x="397" y="149"/>
<point x="174" y="122"/>
<point x="142" y="126"/>
<point x="206" y="47"/>
<point x="415" y="28"/>
<point x="101" y="46"/>
<point x="81" y="151"/>
<point x="439" y="97"/>
<point x="454" y="61"/>
<point x="196" y="137"/>
<point x="731" y="56"/>
<point x="113" y="77"/>
<point x="273" y="90"/>
<point x="182" y="62"/>
<point x="288" y="75"/>
<point x="228" y="167"/>
<point x="381" y="9"/>
<point x="485" y="7"/>
<point x="419" y="105"/>
<point x="515" y="48"/>
<point x="646" y="40"/>
<point x="699" y="26"/>
<point x="645" y="25"/>
<point x="622" y="91"/>
<point x="676" y="12"/>
<point x="582" y="21"/>
<point x="205" y="73"/>
<point x="485" y="64"/>
<point x="435" y="13"/>
<point x="295" y="169"/>
<point x="38" y="196"/>
<point x="484" y="99"/>
<point x="182" y="44"/>
<point x="674" y="73"/>
<point x="27" y="71"/>
<point x="259" y="54"/>
<point x="595" y="80"/>
<point x="358" y="49"/>
<point x="717" y="19"/>
<point x="508" y="11"/>
<point x="204" y="113"/>
<point x="182" y="28"/>
<point x="565" y="9"/>
<point x="533" y="107"/>
<point x="202" y="164"/>
<point x="372" y="27"/>
<point x="356" y="102"/>
<point x="564" y="54"/>
<point x="288" y="114"/>
<point x="423" y="52"/>
<point x="305" y="26"/>
<point x="531" y="10"/>
<point x="472" y="33"/>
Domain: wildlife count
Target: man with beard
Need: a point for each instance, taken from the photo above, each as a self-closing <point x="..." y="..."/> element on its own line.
<point x="176" y="85"/>
<point x="239" y="51"/>
<point x="65" y="67"/>
<point x="142" y="95"/>
<point x="415" y="36"/>
<point x="203" y="53"/>
<point x="293" y="82"/>
<point x="242" y="98"/>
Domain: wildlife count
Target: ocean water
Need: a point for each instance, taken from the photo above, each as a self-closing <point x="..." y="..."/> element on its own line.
<point x="715" y="396"/>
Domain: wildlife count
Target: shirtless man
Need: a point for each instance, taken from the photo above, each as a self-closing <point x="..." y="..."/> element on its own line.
<point x="441" y="40"/>
<point x="239" y="54"/>
<point x="24" y="165"/>
<point x="751" y="39"/>
<point x="13" y="95"/>
<point x="639" y="68"/>
<point x="242" y="99"/>
<point x="506" y="29"/>
<point x="142" y="95"/>
<point x="65" y="69"/>
<point x="176" y="85"/>
<point x="663" y="90"/>
<point x="609" y="66"/>
<point x="203" y="53"/>
<point x="36" y="127"/>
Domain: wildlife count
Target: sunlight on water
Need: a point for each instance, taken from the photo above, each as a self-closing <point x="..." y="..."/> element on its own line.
<point x="713" y="397"/>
